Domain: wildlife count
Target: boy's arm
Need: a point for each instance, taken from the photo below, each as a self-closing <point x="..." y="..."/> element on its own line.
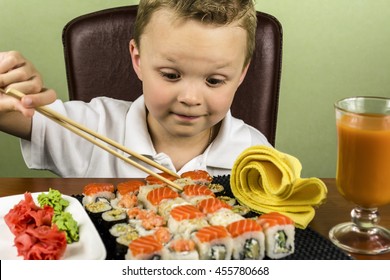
<point x="15" y="123"/>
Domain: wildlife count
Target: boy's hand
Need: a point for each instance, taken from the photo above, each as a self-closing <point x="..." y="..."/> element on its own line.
<point x="19" y="73"/>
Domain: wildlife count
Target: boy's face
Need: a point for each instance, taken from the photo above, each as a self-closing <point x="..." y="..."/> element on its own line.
<point x="190" y="72"/>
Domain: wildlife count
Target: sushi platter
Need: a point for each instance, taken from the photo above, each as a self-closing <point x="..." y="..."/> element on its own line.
<point x="177" y="227"/>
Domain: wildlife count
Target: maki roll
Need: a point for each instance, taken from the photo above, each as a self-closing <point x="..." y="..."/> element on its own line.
<point x="241" y="209"/>
<point x="93" y="191"/>
<point x="195" y="193"/>
<point x="144" y="248"/>
<point x="279" y="233"/>
<point x="229" y="200"/>
<point x="97" y="208"/>
<point x="216" y="188"/>
<point x="248" y="240"/>
<point x="180" y="249"/>
<point x="213" y="243"/>
<point x="185" y="219"/>
<point x="120" y="229"/>
<point x="123" y="241"/>
<point x="112" y="217"/>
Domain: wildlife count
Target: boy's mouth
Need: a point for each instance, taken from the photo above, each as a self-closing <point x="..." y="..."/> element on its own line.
<point x="185" y="117"/>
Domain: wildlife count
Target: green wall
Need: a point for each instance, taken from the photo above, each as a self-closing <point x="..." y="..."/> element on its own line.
<point x="332" y="49"/>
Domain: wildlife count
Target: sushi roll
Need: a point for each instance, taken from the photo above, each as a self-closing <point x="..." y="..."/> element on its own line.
<point x="93" y="191"/>
<point x="154" y="181"/>
<point x="218" y="212"/>
<point x="131" y="186"/>
<point x="195" y="193"/>
<point x="185" y="219"/>
<point x="125" y="201"/>
<point x="155" y="196"/>
<point x="223" y="217"/>
<point x="241" y="209"/>
<point x="180" y="249"/>
<point x="144" y="248"/>
<point x="162" y="235"/>
<point x="97" y="208"/>
<point x="145" y="221"/>
<point x="213" y="243"/>
<point x="279" y="231"/>
<point x="112" y="217"/>
<point x="248" y="240"/>
<point x="165" y="207"/>
<point x="120" y="229"/>
<point x="143" y="192"/>
<point x="211" y="205"/>
<point x="216" y="188"/>
<point x="123" y="241"/>
<point x="199" y="177"/>
<point x="229" y="200"/>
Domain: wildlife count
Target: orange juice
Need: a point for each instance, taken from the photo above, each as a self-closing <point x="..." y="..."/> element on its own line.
<point x="363" y="164"/>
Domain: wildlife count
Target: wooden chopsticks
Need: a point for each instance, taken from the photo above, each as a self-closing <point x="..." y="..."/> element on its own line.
<point x="85" y="133"/>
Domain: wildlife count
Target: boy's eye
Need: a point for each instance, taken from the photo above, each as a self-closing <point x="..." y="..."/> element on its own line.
<point x="214" y="81"/>
<point x="170" y="76"/>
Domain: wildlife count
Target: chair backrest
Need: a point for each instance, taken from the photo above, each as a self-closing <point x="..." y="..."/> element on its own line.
<point x="98" y="63"/>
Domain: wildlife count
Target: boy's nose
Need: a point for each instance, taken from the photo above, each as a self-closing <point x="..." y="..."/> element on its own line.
<point x="191" y="95"/>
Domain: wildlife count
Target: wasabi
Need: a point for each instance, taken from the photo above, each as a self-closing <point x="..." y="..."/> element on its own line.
<point x="64" y="220"/>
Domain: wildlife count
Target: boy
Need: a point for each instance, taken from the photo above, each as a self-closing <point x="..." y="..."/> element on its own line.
<point x="191" y="56"/>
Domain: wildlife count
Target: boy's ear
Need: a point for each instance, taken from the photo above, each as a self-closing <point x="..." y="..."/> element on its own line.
<point x="135" y="58"/>
<point x="243" y="74"/>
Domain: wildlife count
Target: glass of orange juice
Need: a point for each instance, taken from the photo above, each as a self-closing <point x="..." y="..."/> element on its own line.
<point x="363" y="172"/>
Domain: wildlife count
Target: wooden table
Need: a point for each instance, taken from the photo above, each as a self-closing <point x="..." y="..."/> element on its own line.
<point x="334" y="211"/>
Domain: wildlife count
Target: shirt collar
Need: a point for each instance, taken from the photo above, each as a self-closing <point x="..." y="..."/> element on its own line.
<point x="233" y="137"/>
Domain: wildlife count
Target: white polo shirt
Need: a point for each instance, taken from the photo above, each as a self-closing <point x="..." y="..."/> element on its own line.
<point x="54" y="148"/>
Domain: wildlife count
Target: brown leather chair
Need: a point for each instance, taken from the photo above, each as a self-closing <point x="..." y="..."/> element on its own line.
<point x="98" y="63"/>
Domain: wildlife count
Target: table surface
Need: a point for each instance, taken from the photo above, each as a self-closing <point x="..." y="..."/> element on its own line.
<point x="335" y="210"/>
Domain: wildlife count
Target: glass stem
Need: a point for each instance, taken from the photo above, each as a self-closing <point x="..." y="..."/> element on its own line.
<point x="365" y="218"/>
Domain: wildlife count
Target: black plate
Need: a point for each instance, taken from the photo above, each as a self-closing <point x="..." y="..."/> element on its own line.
<point x="309" y="244"/>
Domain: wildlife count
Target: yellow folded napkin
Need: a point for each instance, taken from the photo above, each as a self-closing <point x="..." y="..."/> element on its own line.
<point x="265" y="180"/>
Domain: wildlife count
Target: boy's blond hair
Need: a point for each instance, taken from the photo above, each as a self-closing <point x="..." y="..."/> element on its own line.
<point x="222" y="12"/>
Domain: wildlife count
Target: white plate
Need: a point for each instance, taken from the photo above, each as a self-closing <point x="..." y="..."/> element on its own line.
<point x="89" y="247"/>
